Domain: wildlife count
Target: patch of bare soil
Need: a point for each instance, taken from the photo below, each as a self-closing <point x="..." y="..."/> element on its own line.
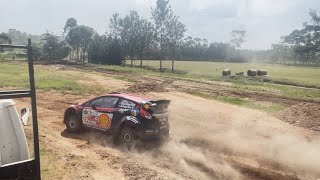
<point x="55" y="67"/>
<point x="306" y="115"/>
<point x="146" y="87"/>
<point x="209" y="140"/>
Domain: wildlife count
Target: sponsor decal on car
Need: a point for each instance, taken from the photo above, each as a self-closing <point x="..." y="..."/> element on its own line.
<point x="134" y="112"/>
<point x="94" y="118"/>
<point x="104" y="120"/>
<point x="132" y="119"/>
<point x="123" y="110"/>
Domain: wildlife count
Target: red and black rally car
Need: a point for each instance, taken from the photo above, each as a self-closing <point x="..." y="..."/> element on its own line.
<point x="124" y="115"/>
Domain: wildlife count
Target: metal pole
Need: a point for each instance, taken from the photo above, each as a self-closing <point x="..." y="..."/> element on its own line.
<point x="34" y="112"/>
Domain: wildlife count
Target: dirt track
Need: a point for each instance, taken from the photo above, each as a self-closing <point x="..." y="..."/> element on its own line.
<point x="210" y="140"/>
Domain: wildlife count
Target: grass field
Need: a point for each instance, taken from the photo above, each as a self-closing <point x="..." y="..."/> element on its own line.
<point x="75" y="82"/>
<point x="16" y="75"/>
<point x="212" y="70"/>
<point x="242" y="85"/>
<point x="18" y="55"/>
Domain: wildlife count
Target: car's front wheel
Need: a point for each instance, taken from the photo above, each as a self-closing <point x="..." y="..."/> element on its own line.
<point x="73" y="123"/>
<point x="127" y="135"/>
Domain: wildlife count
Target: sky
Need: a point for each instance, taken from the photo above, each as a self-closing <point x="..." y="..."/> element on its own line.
<point x="263" y="20"/>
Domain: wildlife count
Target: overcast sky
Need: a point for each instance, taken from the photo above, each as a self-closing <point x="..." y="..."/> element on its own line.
<point x="264" y="20"/>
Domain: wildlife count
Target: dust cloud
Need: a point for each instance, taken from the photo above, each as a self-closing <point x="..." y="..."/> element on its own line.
<point x="237" y="154"/>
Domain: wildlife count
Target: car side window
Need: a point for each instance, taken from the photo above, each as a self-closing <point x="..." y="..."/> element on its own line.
<point x="127" y="104"/>
<point x="108" y="102"/>
<point x="96" y="102"/>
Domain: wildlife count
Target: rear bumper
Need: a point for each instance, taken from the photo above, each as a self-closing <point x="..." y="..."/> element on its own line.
<point x="153" y="133"/>
<point x="158" y="126"/>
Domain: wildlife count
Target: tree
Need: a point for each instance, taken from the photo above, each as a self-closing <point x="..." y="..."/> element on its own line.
<point x="37" y="51"/>
<point x="131" y="33"/>
<point x="280" y="52"/>
<point x="161" y="15"/>
<point x="116" y="35"/>
<point x="238" y="37"/>
<point x="105" y="50"/>
<point x="71" y="23"/>
<point x="79" y="38"/>
<point x="176" y="32"/>
<point x="305" y="42"/>
<point x="4" y="39"/>
<point x="114" y="26"/>
<point x="53" y="49"/>
<point x="188" y="48"/>
<point x="146" y="40"/>
<point x="115" y="52"/>
<point x="98" y="49"/>
<point x="195" y="48"/>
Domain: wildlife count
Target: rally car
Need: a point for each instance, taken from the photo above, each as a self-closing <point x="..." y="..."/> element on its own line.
<point x="125" y="116"/>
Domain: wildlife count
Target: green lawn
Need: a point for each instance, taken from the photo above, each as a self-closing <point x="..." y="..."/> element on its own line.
<point x="16" y="75"/>
<point x="212" y="70"/>
<point x="242" y="85"/>
<point x="18" y="55"/>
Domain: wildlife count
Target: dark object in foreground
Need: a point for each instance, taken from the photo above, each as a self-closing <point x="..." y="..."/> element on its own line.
<point x="28" y="169"/>
<point x="125" y="116"/>
<point x="226" y="72"/>
<point x="262" y="72"/>
<point x="252" y="72"/>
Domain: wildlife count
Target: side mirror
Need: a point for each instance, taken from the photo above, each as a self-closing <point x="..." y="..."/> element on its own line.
<point x="94" y="107"/>
<point x="25" y="116"/>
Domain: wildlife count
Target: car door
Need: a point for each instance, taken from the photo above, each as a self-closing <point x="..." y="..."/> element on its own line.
<point x="124" y="108"/>
<point x="99" y="112"/>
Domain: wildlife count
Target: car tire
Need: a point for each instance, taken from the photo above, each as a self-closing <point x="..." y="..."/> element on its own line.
<point x="127" y="136"/>
<point x="73" y="123"/>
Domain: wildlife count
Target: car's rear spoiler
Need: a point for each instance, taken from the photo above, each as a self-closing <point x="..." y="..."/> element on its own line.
<point x="159" y="102"/>
<point x="159" y="106"/>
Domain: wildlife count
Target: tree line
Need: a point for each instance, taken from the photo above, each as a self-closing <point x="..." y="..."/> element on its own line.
<point x="132" y="37"/>
<point x="302" y="46"/>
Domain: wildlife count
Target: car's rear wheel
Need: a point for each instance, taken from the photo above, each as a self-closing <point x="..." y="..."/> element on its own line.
<point x="127" y="136"/>
<point x="73" y="123"/>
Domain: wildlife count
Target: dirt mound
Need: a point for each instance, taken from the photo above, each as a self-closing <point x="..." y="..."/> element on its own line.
<point x="306" y="115"/>
<point x="145" y="87"/>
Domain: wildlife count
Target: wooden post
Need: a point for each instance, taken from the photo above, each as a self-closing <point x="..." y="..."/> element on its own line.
<point x="172" y="65"/>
